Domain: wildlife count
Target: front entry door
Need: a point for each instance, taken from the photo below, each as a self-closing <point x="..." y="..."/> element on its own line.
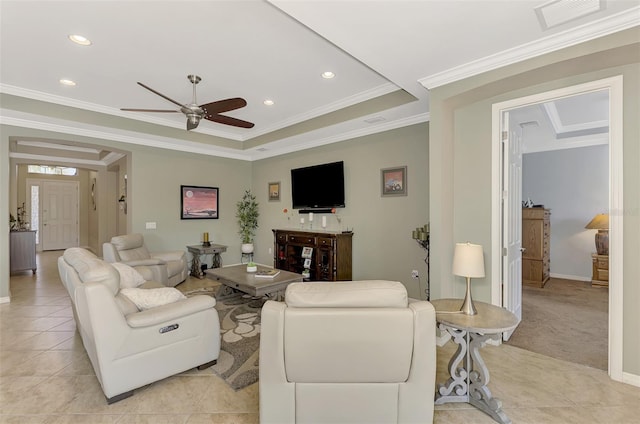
<point x="60" y="226"/>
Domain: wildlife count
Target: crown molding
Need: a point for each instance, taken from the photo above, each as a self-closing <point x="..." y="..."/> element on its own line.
<point x="589" y="31"/>
<point x="314" y="113"/>
<point x="134" y="138"/>
<point x="278" y="148"/>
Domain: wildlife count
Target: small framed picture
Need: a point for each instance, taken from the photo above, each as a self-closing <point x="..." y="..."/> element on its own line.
<point x="306" y="252"/>
<point x="274" y="191"/>
<point x="394" y="181"/>
<point x="307" y="263"/>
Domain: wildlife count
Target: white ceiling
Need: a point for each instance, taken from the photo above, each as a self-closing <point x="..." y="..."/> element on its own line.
<point x="265" y="50"/>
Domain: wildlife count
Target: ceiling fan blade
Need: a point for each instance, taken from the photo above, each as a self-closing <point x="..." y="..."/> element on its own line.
<point x="160" y="94"/>
<point x="223" y="105"/>
<point x="150" y="110"/>
<point x="227" y="120"/>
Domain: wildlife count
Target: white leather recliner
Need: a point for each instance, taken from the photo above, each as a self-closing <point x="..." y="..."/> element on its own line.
<point x="168" y="268"/>
<point x="130" y="348"/>
<point x="347" y="352"/>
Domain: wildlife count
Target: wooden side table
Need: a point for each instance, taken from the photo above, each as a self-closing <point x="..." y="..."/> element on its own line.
<point x="600" y="275"/>
<point x="469" y="374"/>
<point x="199" y="250"/>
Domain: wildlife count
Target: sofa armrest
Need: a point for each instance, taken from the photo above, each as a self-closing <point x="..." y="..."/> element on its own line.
<point x="176" y="255"/>
<point x="170" y="311"/>
<point x="145" y="262"/>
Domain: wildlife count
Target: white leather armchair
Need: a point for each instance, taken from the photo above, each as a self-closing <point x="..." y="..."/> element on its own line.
<point x="347" y="352"/>
<point x="129" y="348"/>
<point x="168" y="268"/>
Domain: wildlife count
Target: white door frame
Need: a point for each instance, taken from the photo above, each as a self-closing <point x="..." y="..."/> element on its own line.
<point x="616" y="289"/>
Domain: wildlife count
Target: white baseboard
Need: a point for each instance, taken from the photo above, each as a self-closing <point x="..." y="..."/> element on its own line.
<point x="5" y="299"/>
<point x="569" y="277"/>
<point x="631" y="379"/>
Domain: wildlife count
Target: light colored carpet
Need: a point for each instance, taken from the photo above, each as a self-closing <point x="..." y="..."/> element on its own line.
<point x="566" y="320"/>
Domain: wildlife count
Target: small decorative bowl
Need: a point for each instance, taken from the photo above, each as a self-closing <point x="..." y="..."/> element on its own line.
<point x="252" y="268"/>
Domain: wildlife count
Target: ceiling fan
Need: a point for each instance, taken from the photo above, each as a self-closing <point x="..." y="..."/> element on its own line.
<point x="210" y="111"/>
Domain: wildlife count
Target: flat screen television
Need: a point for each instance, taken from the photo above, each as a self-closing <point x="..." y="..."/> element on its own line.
<point x="318" y="186"/>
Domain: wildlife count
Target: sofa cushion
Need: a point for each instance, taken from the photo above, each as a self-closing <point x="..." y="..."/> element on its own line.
<point x="150" y="298"/>
<point x="129" y="277"/>
<point x="90" y="268"/>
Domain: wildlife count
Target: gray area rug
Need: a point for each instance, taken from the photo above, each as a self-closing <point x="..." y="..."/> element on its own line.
<point x="240" y="332"/>
<point x="566" y="320"/>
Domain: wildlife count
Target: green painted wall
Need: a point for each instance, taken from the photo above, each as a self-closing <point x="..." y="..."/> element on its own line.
<point x="382" y="243"/>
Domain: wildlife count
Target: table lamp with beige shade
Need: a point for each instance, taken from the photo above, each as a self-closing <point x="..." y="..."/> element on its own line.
<point x="468" y="262"/>
<point x="601" y="223"/>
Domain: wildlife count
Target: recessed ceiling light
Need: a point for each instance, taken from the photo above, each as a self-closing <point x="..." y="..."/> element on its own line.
<point x="268" y="102"/>
<point x="79" y="39"/>
<point x="69" y="82"/>
<point x="328" y="75"/>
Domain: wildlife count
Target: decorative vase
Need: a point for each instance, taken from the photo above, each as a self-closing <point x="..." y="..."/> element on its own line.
<point x="252" y="268"/>
<point x="247" y="247"/>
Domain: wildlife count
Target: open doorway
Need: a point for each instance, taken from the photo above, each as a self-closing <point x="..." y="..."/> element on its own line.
<point x="507" y="288"/>
<point x="565" y="183"/>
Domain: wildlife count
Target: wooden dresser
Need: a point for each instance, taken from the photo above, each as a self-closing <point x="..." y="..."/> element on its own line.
<point x="600" y="270"/>
<point x="331" y="254"/>
<point x="536" y="234"/>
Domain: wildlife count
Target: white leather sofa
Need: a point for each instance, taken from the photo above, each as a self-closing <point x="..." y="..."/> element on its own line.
<point x="168" y="268"/>
<point x="347" y="352"/>
<point x="129" y="348"/>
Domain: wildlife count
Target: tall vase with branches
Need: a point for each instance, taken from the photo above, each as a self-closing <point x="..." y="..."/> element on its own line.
<point x="247" y="214"/>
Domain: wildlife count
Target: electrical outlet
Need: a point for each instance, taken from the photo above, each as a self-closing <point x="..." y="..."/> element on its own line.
<point x="414" y="273"/>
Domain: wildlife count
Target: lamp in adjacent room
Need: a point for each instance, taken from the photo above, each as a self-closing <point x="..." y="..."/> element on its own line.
<point x="601" y="223"/>
<point x="468" y="262"/>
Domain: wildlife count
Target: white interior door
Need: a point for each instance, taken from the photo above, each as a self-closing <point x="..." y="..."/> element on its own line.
<point x="60" y="226"/>
<point x="512" y="219"/>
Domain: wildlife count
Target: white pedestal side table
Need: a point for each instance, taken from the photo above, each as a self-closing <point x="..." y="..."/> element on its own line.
<point x="469" y="374"/>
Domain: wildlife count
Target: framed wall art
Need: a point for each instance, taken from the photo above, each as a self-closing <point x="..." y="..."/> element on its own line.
<point x="198" y="202"/>
<point x="394" y="181"/>
<point x="274" y="191"/>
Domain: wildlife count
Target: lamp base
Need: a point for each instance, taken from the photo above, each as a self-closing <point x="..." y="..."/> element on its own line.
<point x="468" y="307"/>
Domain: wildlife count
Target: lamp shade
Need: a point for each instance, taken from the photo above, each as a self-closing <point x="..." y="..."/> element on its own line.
<point x="468" y="260"/>
<point x="599" y="222"/>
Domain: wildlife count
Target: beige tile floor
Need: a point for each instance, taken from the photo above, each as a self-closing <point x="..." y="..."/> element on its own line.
<point x="46" y="377"/>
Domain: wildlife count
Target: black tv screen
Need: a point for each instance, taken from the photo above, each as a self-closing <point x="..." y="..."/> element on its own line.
<point x="318" y="186"/>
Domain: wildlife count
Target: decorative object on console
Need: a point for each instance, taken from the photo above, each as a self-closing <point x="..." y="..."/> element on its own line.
<point x="394" y="181"/>
<point x="600" y="222"/>
<point x="205" y="240"/>
<point x="252" y="267"/>
<point x="468" y="262"/>
<point x="247" y="214"/>
<point x="274" y="191"/>
<point x="198" y="202"/>
<point x="421" y="235"/>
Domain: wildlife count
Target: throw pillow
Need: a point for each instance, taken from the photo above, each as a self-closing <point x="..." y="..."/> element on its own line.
<point x="151" y="298"/>
<point x="129" y="277"/>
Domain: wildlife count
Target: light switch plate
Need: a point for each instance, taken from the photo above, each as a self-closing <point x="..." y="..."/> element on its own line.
<point x="150" y="225"/>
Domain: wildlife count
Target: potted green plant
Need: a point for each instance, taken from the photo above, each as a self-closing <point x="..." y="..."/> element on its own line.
<point x="247" y="214"/>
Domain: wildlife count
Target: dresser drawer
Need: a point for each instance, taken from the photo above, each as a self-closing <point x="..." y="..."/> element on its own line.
<point x="325" y="241"/>
<point x="302" y="239"/>
<point x="602" y="263"/>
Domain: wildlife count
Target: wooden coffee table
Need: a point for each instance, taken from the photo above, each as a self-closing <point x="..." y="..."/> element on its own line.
<point x="236" y="279"/>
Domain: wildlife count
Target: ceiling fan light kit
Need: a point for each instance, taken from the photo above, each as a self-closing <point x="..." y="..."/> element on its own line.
<point x="209" y="111"/>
